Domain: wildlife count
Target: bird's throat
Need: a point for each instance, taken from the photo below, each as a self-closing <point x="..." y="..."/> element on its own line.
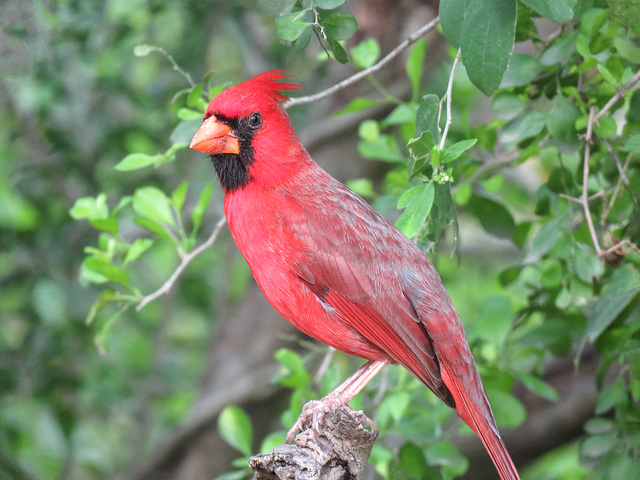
<point x="232" y="170"/>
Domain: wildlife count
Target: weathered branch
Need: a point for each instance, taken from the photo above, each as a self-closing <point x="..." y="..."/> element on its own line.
<point x="448" y="100"/>
<point x="584" y="198"/>
<point x="338" y="450"/>
<point x="186" y="260"/>
<point x="619" y="94"/>
<point x="414" y="37"/>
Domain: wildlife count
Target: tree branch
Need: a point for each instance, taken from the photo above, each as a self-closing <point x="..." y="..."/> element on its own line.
<point x="448" y="97"/>
<point x="338" y="450"/>
<point x="584" y="197"/>
<point x="186" y="259"/>
<point x="619" y="94"/>
<point x="374" y="68"/>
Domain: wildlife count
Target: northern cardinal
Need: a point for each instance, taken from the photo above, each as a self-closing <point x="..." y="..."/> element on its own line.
<point x="331" y="265"/>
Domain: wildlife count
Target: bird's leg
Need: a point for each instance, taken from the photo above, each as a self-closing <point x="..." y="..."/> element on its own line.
<point x="342" y="395"/>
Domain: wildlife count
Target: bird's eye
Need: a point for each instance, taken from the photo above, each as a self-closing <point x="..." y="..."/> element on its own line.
<point x="255" y="120"/>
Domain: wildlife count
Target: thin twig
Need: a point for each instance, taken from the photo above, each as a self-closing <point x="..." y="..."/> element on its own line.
<point x="374" y="68"/>
<point x="183" y="264"/>
<point x="326" y="361"/>
<point x="622" y="169"/>
<point x="619" y="94"/>
<point x="448" y="96"/>
<point x="624" y="243"/>
<point x="175" y="65"/>
<point x="585" y="180"/>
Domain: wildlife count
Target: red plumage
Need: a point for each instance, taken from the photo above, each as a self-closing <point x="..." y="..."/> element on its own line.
<point x="329" y="263"/>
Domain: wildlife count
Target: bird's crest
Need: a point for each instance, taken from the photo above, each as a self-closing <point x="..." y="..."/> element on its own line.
<point x="268" y="82"/>
<point x="257" y="93"/>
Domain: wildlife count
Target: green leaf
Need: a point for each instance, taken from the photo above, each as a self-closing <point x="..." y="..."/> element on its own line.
<point x="358" y="103"/>
<point x="384" y="148"/>
<point x="236" y="474"/>
<point x="522" y="70"/>
<point x="632" y="144"/>
<point x="193" y="100"/>
<point x="303" y="39"/>
<point x="134" y="161"/>
<point x="369" y="130"/>
<point x="362" y="186"/>
<point x="271" y="441"/>
<point x="102" y="337"/>
<point x="366" y="53"/>
<point x="538" y="386"/>
<point x="558" y="11"/>
<point x="90" y="208"/>
<point x="415" y="62"/>
<point x="339" y="25"/>
<point x="402" y="114"/>
<point x="153" y="227"/>
<point x="606" y="74"/>
<point x="107" y="270"/>
<point x="144" y="50"/>
<point x="329" y="4"/>
<point x="486" y="39"/>
<point x="443" y="213"/>
<point x="179" y="195"/>
<point x="188" y="114"/>
<point x="508" y="410"/>
<point x="627" y="49"/>
<point x="445" y="453"/>
<point x="235" y="428"/>
<point x="495" y="319"/>
<point x="520" y="128"/>
<point x="561" y="50"/>
<point x="617" y="292"/>
<point x="494" y="217"/>
<point x="595" y="446"/>
<point x="338" y="51"/>
<point x="421" y="149"/>
<point x="110" y="225"/>
<point x="427" y="116"/>
<point x="422" y="146"/>
<point x="137" y="248"/>
<point x="290" y="26"/>
<point x="606" y="126"/>
<point x="294" y="375"/>
<point x="546" y="238"/>
<point x="201" y="207"/>
<point x="561" y="120"/>
<point x="588" y="267"/>
<point x="412" y="461"/>
<point x="451" y="12"/>
<point x="153" y="203"/>
<point x="452" y="152"/>
<point x="418" y="201"/>
<point x="393" y="406"/>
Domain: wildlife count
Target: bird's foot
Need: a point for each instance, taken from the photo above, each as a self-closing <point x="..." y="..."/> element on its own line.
<point x="315" y="410"/>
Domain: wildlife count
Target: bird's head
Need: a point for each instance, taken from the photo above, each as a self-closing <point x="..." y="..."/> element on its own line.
<point x="247" y="132"/>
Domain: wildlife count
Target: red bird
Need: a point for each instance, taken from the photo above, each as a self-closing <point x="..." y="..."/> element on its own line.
<point x="331" y="265"/>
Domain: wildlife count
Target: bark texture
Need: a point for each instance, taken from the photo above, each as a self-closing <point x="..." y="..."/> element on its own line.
<point x="337" y="450"/>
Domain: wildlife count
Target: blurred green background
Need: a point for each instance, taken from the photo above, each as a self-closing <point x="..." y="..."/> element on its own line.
<point x="136" y="403"/>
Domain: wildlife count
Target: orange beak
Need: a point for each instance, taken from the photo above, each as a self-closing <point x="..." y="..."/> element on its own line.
<point x="214" y="138"/>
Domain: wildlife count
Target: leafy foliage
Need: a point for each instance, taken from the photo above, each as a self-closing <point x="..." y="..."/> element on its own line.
<point x="553" y="173"/>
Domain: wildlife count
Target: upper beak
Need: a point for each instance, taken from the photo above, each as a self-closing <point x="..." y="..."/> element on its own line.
<point x="214" y="138"/>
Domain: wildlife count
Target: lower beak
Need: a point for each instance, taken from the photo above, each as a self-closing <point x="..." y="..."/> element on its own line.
<point x="214" y="138"/>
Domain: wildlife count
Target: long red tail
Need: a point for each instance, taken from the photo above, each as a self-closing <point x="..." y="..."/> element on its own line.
<point x="478" y="415"/>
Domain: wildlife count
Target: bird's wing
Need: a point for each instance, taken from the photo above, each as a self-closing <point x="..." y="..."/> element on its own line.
<point x="352" y="265"/>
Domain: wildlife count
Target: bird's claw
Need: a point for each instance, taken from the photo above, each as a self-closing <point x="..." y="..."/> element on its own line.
<point x="316" y="410"/>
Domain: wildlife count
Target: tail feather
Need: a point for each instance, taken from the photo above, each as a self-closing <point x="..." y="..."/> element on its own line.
<point x="482" y="422"/>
